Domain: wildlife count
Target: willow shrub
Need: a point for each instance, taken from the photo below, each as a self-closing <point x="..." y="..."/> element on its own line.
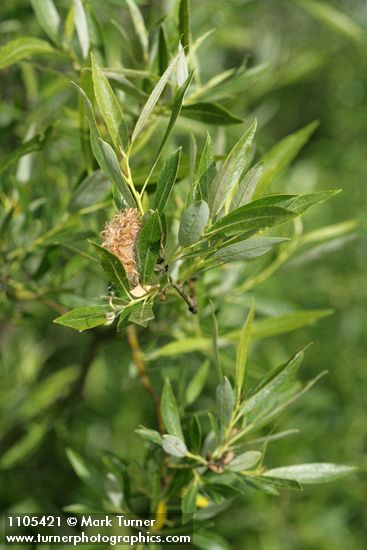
<point x="143" y="232"/>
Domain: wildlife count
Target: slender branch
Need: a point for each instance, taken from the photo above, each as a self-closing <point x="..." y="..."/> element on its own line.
<point x="133" y="341"/>
<point x="193" y="307"/>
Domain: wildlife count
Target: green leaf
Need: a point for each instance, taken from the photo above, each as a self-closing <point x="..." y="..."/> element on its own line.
<point x="163" y="52"/>
<point x="84" y="318"/>
<point x="230" y="172"/>
<point x="166" y="181"/>
<point x="278" y="483"/>
<point x="317" y="472"/>
<point x="175" y="111"/>
<point x="79" y="465"/>
<point x="236" y="85"/>
<point x="124" y="314"/>
<point x="152" y="100"/>
<point x="250" y="219"/>
<point x="266" y="212"/>
<point x="195" y="433"/>
<point x="265" y="328"/>
<point x="81" y="25"/>
<point x="110" y="107"/>
<point x="281" y="400"/>
<point x="184" y="23"/>
<point x="283" y="375"/>
<point x="248" y="249"/>
<point x="142" y="314"/>
<point x="105" y="155"/>
<point x="242" y="351"/>
<point x="148" y="246"/>
<point x="36" y="143"/>
<point x="182" y="71"/>
<point x="25" y="446"/>
<point x="215" y="345"/>
<point x="193" y="222"/>
<point x="21" y="48"/>
<point x="169" y="411"/>
<point x="207" y="169"/>
<point x="299" y="203"/>
<point x="197" y="383"/>
<point x="334" y="18"/>
<point x="53" y="387"/>
<point x="210" y="113"/>
<point x="287" y="322"/>
<point x="48" y="17"/>
<point x="245" y="461"/>
<point x="150" y="435"/>
<point x="114" y="270"/>
<point x="174" y="446"/>
<point x="282" y="154"/>
<point x="139" y="27"/>
<point x="246" y="187"/>
<point x="224" y="404"/>
<point x="188" y="505"/>
<point x="109" y="164"/>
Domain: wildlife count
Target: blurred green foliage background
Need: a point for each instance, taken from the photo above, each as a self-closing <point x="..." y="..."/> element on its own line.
<point x="317" y="71"/>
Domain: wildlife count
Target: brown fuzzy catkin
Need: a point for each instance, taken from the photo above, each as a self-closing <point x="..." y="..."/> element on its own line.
<point x="120" y="236"/>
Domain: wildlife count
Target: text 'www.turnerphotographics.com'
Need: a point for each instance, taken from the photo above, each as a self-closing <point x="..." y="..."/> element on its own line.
<point x="97" y="529"/>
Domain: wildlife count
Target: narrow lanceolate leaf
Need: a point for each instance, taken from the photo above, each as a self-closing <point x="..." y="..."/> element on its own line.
<point x="197" y="382"/>
<point x="48" y="17"/>
<point x="335" y="19"/>
<point x="193" y="222"/>
<point x="245" y="461"/>
<point x="166" y="181"/>
<point x="163" y="52"/>
<point x="248" y="249"/>
<point x="114" y="270"/>
<point x="105" y="155"/>
<point x="281" y="324"/>
<point x="184" y="23"/>
<point x="153" y="98"/>
<point x="176" y="108"/>
<point x="277" y="380"/>
<point x="231" y="171"/>
<point x="267" y="211"/>
<point x="242" y="351"/>
<point x="110" y="107"/>
<point x="36" y="143"/>
<point x="207" y="169"/>
<point x="174" y="445"/>
<point x="195" y="434"/>
<point x="189" y="501"/>
<point x="282" y="154"/>
<point x="182" y="71"/>
<point x="109" y="164"/>
<point x="210" y="113"/>
<point x="169" y="411"/>
<point x="81" y="25"/>
<point x="225" y="401"/>
<point x="148" y="246"/>
<point x="84" y="318"/>
<point x="246" y="187"/>
<point x="21" y="48"/>
<point x="139" y="26"/>
<point x="317" y="472"/>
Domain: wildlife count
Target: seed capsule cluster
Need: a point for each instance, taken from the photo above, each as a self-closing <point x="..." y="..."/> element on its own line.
<point x="119" y="237"/>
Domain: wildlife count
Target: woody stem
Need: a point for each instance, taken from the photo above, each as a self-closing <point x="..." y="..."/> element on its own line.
<point x="133" y="341"/>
